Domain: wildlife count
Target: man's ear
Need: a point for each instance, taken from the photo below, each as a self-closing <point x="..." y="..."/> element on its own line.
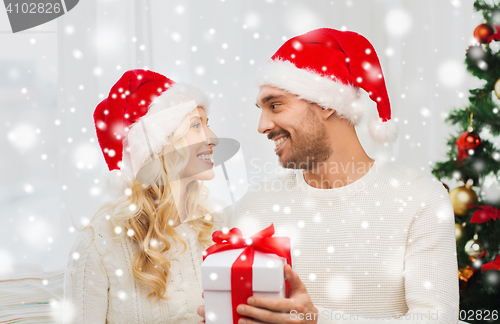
<point x="326" y="112"/>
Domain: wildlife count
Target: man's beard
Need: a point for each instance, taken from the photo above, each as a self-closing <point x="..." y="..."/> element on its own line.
<point x="309" y="147"/>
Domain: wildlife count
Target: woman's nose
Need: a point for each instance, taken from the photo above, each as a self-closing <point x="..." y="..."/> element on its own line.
<point x="211" y="137"/>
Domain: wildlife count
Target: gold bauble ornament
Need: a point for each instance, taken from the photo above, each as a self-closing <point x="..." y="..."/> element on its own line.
<point x="473" y="248"/>
<point x="459" y="230"/>
<point x="462" y="197"/>
<point x="497" y="88"/>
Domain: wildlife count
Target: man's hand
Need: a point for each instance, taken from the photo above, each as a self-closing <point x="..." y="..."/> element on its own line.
<point x="278" y="310"/>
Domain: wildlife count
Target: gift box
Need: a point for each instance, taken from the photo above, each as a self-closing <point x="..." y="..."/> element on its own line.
<point x="236" y="268"/>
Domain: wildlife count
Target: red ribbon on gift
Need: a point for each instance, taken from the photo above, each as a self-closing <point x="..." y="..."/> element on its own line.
<point x="241" y="270"/>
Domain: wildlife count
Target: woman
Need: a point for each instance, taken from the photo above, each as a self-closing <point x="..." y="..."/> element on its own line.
<point x="138" y="260"/>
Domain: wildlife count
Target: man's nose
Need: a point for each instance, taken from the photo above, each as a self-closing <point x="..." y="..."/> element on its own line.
<point x="265" y="123"/>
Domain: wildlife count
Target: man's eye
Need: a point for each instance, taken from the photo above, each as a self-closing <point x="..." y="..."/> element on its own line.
<point x="273" y="106"/>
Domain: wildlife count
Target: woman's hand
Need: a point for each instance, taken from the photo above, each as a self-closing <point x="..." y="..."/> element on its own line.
<point x="201" y="311"/>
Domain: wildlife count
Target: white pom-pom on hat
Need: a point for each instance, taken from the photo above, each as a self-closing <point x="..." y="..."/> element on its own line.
<point x="382" y="132"/>
<point x="116" y="182"/>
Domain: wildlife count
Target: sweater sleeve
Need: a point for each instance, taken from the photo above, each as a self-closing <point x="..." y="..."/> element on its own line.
<point x="430" y="267"/>
<point x="85" y="285"/>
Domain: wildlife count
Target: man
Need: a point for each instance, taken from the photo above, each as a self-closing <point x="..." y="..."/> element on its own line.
<point x="375" y="240"/>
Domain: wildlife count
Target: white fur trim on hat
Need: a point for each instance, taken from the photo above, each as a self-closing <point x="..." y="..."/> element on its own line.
<point x="327" y="92"/>
<point x="179" y="93"/>
<point x="382" y="132"/>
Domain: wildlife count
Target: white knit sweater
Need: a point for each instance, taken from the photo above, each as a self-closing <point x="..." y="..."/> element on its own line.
<point x="92" y="297"/>
<point x="382" y="246"/>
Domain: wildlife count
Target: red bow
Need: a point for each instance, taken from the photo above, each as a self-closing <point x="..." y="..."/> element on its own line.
<point x="241" y="270"/>
<point x="494" y="265"/>
<point x="484" y="214"/>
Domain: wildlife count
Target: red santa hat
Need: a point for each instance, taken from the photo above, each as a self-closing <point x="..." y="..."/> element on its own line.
<point x="327" y="67"/>
<point x="133" y="123"/>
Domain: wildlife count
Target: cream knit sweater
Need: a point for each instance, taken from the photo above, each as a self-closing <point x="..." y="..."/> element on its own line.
<point x="382" y="246"/>
<point x="92" y="297"/>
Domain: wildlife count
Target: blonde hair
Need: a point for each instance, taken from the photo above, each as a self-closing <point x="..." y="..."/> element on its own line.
<point x="156" y="212"/>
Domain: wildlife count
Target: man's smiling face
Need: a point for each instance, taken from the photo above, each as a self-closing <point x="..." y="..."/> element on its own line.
<point x="300" y="136"/>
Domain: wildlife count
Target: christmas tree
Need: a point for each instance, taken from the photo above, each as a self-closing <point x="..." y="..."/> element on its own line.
<point x="476" y="162"/>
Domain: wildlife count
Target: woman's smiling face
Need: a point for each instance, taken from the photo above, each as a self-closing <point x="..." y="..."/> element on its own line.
<point x="200" y="139"/>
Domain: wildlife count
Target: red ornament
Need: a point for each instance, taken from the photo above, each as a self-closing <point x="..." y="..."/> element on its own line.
<point x="467" y="141"/>
<point x="484" y="214"/>
<point x="482" y="33"/>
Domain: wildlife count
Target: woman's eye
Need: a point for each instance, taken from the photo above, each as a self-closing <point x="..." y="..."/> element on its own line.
<point x="196" y="125"/>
